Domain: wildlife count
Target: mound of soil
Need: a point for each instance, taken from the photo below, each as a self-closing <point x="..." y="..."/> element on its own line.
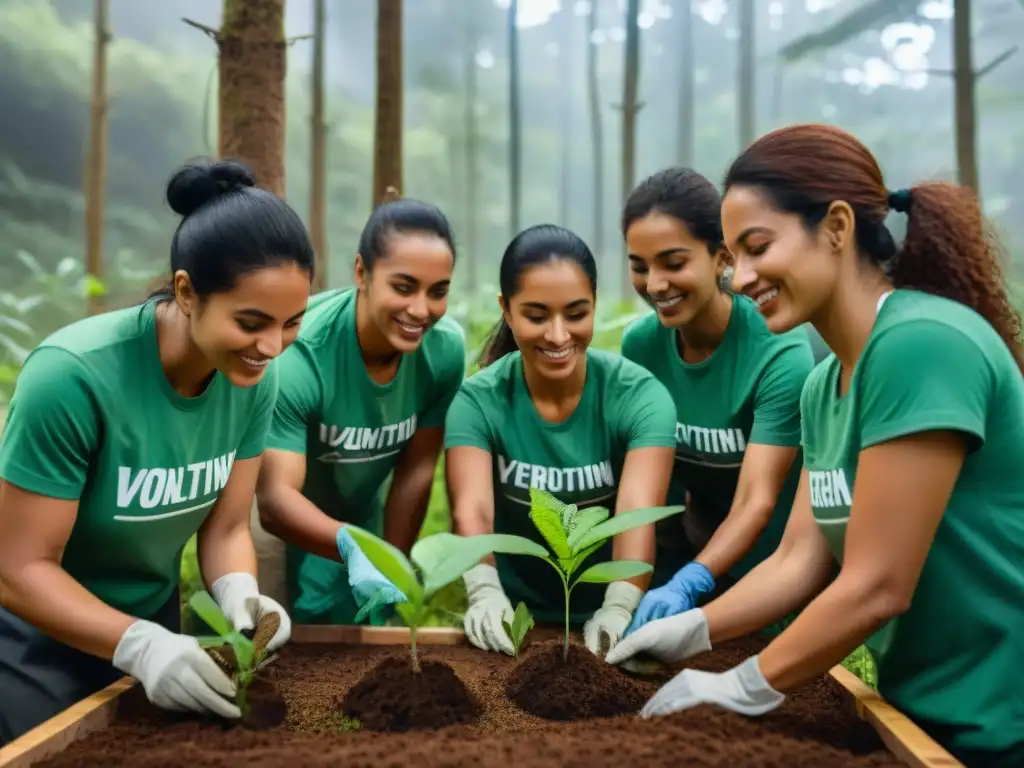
<point x="392" y="697"/>
<point x="546" y="685"/>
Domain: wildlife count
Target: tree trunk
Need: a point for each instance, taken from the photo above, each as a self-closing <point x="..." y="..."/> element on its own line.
<point x="629" y="111"/>
<point x="318" y="155"/>
<point x="514" y="120"/>
<point x="387" y="146"/>
<point x="96" y="162"/>
<point x="964" y="82"/>
<point x="253" y="64"/>
<point x="469" y="122"/>
<point x="565" y="51"/>
<point x="596" y="135"/>
<point x="745" y="109"/>
<point x="686" y="140"/>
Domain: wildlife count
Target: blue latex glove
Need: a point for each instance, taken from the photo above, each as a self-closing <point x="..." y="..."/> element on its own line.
<point x="680" y="594"/>
<point x="372" y="590"/>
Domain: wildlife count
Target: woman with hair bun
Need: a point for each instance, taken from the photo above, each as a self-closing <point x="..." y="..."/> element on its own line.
<point x="127" y="433"/>
<point x="913" y="478"/>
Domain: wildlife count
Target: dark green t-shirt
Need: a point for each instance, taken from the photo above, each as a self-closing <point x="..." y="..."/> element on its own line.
<point x="94" y="418"/>
<point x="952" y="660"/>
<point x="747" y="391"/>
<point x="578" y="460"/>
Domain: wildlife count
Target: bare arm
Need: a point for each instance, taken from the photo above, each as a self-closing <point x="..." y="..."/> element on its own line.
<point x="646" y="474"/>
<point x="410" y="490"/>
<point x="761" y="478"/>
<point x="903" y="488"/>
<point x="471" y="491"/>
<point x="286" y="513"/>
<point x="782" y="583"/>
<point x="34" y="530"/>
<point x="224" y="541"/>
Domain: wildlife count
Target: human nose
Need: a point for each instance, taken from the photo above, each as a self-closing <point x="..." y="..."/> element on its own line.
<point x="743" y="275"/>
<point x="557" y="334"/>
<point x="656" y="282"/>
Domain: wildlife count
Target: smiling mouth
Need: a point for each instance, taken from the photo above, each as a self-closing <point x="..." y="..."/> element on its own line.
<point x="557" y="354"/>
<point x="765" y="296"/>
<point x="669" y="302"/>
<point x="255" y="362"/>
<point x="411" y="328"/>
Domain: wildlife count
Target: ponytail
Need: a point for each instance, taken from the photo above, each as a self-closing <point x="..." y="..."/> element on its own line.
<point x="951" y="251"/>
<point x="500" y="343"/>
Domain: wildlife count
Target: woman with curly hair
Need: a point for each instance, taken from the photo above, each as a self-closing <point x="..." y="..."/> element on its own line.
<point x="913" y="478"/>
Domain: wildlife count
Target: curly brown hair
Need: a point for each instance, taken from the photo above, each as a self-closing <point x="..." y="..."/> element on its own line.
<point x="949" y="250"/>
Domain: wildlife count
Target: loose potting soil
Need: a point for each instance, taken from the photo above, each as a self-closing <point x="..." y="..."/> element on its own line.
<point x="815" y="727"/>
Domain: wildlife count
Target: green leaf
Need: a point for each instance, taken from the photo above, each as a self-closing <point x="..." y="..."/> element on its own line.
<point x="443" y="557"/>
<point x="390" y="561"/>
<point x="582" y="555"/>
<point x="569" y="512"/>
<point x="614" y="570"/>
<point x="242" y="646"/>
<point x="208" y="610"/>
<point x="208" y="641"/>
<point x="546" y="514"/>
<point x="585" y="521"/>
<point x="411" y="614"/>
<point x="624" y="521"/>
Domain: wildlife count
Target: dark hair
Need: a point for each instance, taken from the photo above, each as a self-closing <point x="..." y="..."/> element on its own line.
<point x="683" y="194"/>
<point x="949" y="249"/>
<point x="534" y="246"/>
<point x="399" y="216"/>
<point x="229" y="228"/>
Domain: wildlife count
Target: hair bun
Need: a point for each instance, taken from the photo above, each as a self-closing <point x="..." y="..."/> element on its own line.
<point x="195" y="184"/>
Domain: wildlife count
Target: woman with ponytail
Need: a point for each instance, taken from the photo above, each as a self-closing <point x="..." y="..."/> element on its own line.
<point x="913" y="479"/>
<point x="587" y="426"/>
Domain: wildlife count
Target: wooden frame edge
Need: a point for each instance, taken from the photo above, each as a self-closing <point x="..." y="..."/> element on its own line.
<point x="899" y="734"/>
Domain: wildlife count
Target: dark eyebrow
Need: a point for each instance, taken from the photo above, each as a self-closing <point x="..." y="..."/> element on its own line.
<point x="570" y="305"/>
<point x="664" y="254"/>
<point x="741" y="240"/>
<point x="261" y="315"/>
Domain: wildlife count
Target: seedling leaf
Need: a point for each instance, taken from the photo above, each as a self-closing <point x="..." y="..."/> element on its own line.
<point x="569" y="512"/>
<point x="208" y="610"/>
<point x="546" y="514"/>
<point x="522" y="622"/>
<point x="583" y="554"/>
<point x="444" y="557"/>
<point x="614" y="570"/>
<point x="624" y="521"/>
<point x="585" y="520"/>
<point x="390" y="561"/>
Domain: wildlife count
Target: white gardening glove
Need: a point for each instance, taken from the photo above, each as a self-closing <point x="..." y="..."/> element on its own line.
<point x="742" y="689"/>
<point x="174" y="671"/>
<point x="669" y="640"/>
<point x="611" y="619"/>
<point x="238" y="596"/>
<point x="488" y="605"/>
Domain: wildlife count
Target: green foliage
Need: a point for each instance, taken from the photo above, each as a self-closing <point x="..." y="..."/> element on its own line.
<point x="522" y="622"/>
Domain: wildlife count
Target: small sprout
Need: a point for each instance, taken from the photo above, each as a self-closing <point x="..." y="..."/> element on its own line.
<point x="346" y="723"/>
<point x="522" y="622"/>
<point x="232" y="649"/>
<point x="439" y="560"/>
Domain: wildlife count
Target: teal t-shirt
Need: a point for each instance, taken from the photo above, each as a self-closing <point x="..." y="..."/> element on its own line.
<point x="579" y="460"/>
<point x="747" y="391"/>
<point x="952" y="661"/>
<point x="351" y="429"/>
<point x="94" y="418"/>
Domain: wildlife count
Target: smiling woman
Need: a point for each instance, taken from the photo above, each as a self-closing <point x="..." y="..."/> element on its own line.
<point x="131" y="431"/>
<point x="363" y="397"/>
<point x="587" y="426"/>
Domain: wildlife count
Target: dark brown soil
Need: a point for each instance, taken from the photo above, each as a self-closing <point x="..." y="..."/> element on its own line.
<point x="815" y="728"/>
<point x="543" y="684"/>
<point x="391" y="697"/>
<point x="267" y="706"/>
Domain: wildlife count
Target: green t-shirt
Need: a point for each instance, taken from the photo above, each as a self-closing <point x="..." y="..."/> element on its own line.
<point x="747" y="391"/>
<point x="94" y="418"/>
<point x="579" y="460"/>
<point x="952" y="661"/>
<point x="352" y="430"/>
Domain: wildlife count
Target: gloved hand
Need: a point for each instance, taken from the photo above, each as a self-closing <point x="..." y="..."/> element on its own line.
<point x="373" y="591"/>
<point x="238" y="596"/>
<point x="174" y="671"/>
<point x="611" y="619"/>
<point x="679" y="594"/>
<point x="488" y="605"/>
<point x="742" y="689"/>
<point x="668" y="640"/>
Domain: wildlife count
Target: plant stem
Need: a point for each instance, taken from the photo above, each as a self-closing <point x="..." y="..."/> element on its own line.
<point x="415" y="657"/>
<point x="565" y="648"/>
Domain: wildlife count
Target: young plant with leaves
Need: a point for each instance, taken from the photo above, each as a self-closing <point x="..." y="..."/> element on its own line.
<point x="236" y="653"/>
<point x="436" y="561"/>
<point x="574" y="534"/>
<point x="522" y="622"/>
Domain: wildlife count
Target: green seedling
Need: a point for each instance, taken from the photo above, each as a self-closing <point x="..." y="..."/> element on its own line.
<point x="575" y="534"/>
<point x="235" y="652"/>
<point x="522" y="622"/>
<point x="436" y="561"/>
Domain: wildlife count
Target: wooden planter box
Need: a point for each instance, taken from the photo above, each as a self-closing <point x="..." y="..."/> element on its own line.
<point x="908" y="742"/>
